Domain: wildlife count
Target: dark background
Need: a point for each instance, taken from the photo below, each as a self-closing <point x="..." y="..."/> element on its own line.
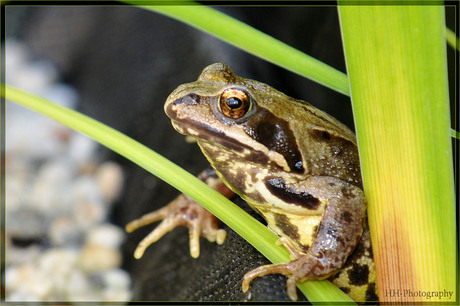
<point x="125" y="61"/>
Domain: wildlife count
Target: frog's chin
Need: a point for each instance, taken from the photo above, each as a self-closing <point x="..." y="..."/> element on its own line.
<point x="179" y="128"/>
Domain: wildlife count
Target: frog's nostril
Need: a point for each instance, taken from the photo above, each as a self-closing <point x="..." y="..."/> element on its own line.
<point x="188" y="99"/>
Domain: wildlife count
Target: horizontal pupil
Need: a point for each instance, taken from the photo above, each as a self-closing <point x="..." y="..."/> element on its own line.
<point x="234" y="103"/>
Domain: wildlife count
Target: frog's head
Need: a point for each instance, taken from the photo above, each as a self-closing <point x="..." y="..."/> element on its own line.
<point x="235" y="119"/>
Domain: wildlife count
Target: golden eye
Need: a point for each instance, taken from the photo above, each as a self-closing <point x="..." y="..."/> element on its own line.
<point x="234" y="103"/>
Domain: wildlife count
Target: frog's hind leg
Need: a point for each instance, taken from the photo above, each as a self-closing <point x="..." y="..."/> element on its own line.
<point x="296" y="268"/>
<point x="338" y="234"/>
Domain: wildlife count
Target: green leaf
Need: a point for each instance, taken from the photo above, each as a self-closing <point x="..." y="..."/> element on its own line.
<point x="397" y="67"/>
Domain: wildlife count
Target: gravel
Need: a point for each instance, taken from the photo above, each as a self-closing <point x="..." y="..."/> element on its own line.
<point x="60" y="245"/>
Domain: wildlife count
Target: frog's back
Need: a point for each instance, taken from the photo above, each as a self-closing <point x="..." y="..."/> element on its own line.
<point x="328" y="146"/>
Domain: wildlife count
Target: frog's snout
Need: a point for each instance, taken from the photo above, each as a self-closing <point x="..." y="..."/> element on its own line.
<point x="173" y="106"/>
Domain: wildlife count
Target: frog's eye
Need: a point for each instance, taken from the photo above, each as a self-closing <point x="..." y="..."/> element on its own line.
<point x="234" y="103"/>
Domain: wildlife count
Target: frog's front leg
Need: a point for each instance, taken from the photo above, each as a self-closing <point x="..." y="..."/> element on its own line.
<point x="184" y="211"/>
<point x="337" y="236"/>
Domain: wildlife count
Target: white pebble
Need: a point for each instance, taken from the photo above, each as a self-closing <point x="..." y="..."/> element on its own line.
<point x="57" y="192"/>
<point x="106" y="235"/>
<point x="59" y="260"/>
<point x="17" y="186"/>
<point x="89" y="214"/>
<point x="20" y="296"/>
<point x="89" y="208"/>
<point x="18" y="256"/>
<point x="63" y="231"/>
<point x="30" y="281"/>
<point x="78" y="287"/>
<point x="81" y="149"/>
<point x="12" y="278"/>
<point x="16" y="56"/>
<point x="36" y="77"/>
<point x="94" y="258"/>
<point x="62" y="94"/>
<point x="40" y="285"/>
<point x="33" y="136"/>
<point x="26" y="223"/>
<point x="117" y="279"/>
<point x="113" y="295"/>
<point x="50" y="192"/>
<point x="110" y="179"/>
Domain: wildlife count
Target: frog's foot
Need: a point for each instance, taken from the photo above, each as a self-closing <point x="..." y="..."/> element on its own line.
<point x="300" y="270"/>
<point x="183" y="211"/>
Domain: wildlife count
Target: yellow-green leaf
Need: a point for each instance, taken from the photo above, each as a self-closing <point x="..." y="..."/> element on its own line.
<point x="397" y="67"/>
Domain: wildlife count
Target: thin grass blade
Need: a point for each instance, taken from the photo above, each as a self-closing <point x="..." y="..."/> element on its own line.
<point x="245" y="37"/>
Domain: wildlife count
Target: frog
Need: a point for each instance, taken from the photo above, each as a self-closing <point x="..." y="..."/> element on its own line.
<point x="295" y="165"/>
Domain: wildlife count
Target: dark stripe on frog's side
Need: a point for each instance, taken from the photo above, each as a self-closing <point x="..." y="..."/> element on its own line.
<point x="277" y="186"/>
<point x="290" y="230"/>
<point x="358" y="275"/>
<point x="275" y="134"/>
<point x="345" y="290"/>
<point x="371" y="292"/>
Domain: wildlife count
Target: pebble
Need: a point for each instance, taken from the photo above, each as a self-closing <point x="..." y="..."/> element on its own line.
<point x="62" y="94"/>
<point x="28" y="281"/>
<point x="106" y="235"/>
<point x="59" y="243"/>
<point x="110" y="180"/>
<point x="16" y="56"/>
<point x="36" y="76"/>
<point x="63" y="231"/>
<point x="117" y="279"/>
<point x="79" y="287"/>
<point x="89" y="208"/>
<point x="96" y="258"/>
<point x="50" y="190"/>
<point x="81" y="149"/>
<point x="18" y="256"/>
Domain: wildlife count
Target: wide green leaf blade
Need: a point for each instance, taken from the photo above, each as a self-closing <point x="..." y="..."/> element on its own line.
<point x="397" y="67"/>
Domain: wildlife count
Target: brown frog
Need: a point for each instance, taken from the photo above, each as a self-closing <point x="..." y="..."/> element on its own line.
<point x="295" y="165"/>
